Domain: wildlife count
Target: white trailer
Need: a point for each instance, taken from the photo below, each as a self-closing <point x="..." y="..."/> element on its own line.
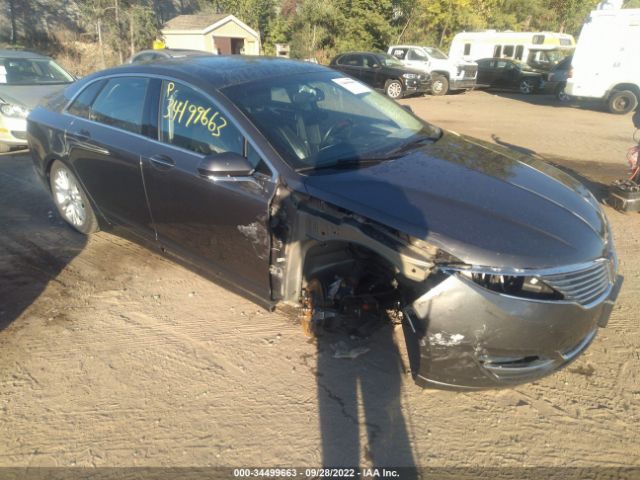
<point x="540" y="50"/>
<point x="606" y="63"/>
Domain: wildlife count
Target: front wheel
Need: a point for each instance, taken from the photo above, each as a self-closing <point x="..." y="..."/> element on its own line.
<point x="440" y="85"/>
<point x="393" y="89"/>
<point x="526" y="87"/>
<point x="621" y="102"/>
<point x="561" y="94"/>
<point x="71" y="200"/>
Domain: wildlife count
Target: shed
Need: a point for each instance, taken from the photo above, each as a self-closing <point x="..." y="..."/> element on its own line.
<point x="220" y="33"/>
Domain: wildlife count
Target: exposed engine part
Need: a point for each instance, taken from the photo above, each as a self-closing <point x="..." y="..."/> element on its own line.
<point x="355" y="305"/>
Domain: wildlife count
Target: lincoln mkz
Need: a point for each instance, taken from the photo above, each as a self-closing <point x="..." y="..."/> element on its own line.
<point x="302" y="188"/>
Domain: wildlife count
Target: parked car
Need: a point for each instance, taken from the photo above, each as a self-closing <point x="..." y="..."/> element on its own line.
<point x="556" y="80"/>
<point x="383" y="72"/>
<point x="446" y="74"/>
<point x="25" y="78"/>
<point x="160" y="54"/>
<point x="505" y="74"/>
<point x="280" y="178"/>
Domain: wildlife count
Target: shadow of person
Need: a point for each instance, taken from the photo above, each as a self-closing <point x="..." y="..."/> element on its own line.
<point x="35" y="243"/>
<point x="360" y="406"/>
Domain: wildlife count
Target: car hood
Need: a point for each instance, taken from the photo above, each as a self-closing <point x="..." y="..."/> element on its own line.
<point x="479" y="202"/>
<point x="28" y="95"/>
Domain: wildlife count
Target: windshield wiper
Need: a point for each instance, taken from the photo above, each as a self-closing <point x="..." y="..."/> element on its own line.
<point x="344" y="164"/>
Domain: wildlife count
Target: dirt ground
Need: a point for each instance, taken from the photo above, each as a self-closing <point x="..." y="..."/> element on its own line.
<point x="111" y="355"/>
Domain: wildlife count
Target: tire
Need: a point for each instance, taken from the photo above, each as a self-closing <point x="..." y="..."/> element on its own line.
<point x="393" y="89"/>
<point x="71" y="200"/>
<point x="561" y="95"/>
<point x="622" y="102"/>
<point x="527" y="86"/>
<point x="439" y="85"/>
<point x="4" y="148"/>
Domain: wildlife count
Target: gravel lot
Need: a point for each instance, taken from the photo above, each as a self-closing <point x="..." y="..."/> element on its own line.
<point x="111" y="355"/>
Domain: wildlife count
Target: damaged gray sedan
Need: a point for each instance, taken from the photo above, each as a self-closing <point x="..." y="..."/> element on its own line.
<point x="299" y="187"/>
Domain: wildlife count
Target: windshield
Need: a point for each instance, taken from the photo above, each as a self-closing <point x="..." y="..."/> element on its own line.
<point x="546" y="58"/>
<point x="435" y="53"/>
<point x="32" y="71"/>
<point x="323" y="119"/>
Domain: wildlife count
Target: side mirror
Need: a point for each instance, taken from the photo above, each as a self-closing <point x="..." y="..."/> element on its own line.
<point x="407" y="108"/>
<point x="224" y="165"/>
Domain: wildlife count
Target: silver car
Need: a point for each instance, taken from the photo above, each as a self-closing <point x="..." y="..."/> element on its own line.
<point x="25" y="78"/>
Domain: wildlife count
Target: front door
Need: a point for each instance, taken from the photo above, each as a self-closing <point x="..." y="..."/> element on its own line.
<point x="220" y="226"/>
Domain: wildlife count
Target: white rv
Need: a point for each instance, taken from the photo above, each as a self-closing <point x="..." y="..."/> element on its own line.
<point x="606" y="64"/>
<point x="541" y="50"/>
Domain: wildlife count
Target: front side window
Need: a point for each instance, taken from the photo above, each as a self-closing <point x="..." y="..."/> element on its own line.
<point x="32" y="71"/>
<point x="467" y="49"/>
<point x="120" y="103"/>
<point x="508" y="51"/>
<point x="190" y="120"/>
<point x="81" y="106"/>
<point x="317" y="120"/>
<point x="418" y="55"/>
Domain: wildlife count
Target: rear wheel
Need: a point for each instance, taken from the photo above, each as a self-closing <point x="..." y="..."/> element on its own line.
<point x="621" y="102"/>
<point x="71" y="200"/>
<point x="439" y="85"/>
<point x="393" y="89"/>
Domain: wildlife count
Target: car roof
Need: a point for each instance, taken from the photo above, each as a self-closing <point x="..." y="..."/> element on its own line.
<point x="174" y="51"/>
<point x="8" y="53"/>
<point x="216" y="71"/>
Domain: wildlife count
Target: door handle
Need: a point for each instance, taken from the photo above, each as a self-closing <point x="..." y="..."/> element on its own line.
<point x="83" y="135"/>
<point x="163" y="162"/>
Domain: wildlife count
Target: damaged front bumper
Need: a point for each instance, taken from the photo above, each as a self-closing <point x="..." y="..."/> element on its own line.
<point x="463" y="336"/>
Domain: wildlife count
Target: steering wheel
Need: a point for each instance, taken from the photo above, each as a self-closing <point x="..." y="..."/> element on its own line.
<point x="341" y="128"/>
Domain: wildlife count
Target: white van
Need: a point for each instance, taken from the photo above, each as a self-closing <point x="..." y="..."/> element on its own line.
<point x="606" y="64"/>
<point x="540" y="50"/>
<point x="446" y="74"/>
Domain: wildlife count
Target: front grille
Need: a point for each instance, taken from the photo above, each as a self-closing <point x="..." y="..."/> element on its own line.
<point x="585" y="285"/>
<point x="20" y="135"/>
<point x="470" y="71"/>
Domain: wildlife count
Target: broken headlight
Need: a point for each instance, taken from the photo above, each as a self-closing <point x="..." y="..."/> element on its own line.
<point x="508" y="283"/>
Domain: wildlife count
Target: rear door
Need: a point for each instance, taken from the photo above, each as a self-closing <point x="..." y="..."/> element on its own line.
<point x="351" y="64"/>
<point x="220" y="226"/>
<point x="106" y="145"/>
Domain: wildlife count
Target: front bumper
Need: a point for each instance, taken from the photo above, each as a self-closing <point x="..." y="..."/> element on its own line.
<point x="412" y="86"/>
<point x="13" y="131"/>
<point x="462" y="84"/>
<point x="462" y="336"/>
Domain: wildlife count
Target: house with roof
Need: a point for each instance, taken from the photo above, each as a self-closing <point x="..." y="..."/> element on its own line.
<point x="223" y="34"/>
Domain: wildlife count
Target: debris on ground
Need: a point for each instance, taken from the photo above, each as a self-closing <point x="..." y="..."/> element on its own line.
<point x="343" y="349"/>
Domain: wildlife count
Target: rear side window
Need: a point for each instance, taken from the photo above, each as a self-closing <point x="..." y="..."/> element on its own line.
<point x="192" y="121"/>
<point x="508" y="51"/>
<point x="467" y="49"/>
<point x="351" y="60"/>
<point x="81" y="106"/>
<point x="120" y="103"/>
<point x="399" y="53"/>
